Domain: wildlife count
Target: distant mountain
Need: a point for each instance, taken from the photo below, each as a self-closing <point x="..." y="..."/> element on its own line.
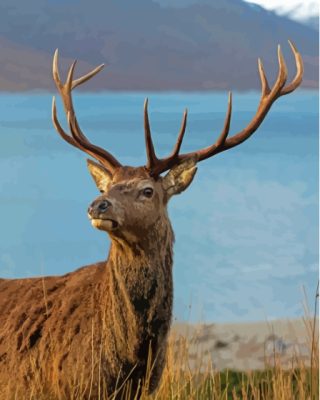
<point x="305" y="12"/>
<point x="23" y="68"/>
<point x="147" y="46"/>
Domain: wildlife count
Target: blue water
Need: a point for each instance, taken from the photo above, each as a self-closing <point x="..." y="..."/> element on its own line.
<point x="246" y="230"/>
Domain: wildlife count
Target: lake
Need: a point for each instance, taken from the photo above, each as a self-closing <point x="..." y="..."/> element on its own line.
<point x="246" y="230"/>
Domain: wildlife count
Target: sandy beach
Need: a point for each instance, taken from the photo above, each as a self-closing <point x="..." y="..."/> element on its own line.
<point x="245" y="346"/>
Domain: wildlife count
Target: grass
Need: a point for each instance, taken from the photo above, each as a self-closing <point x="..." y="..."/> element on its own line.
<point x="299" y="381"/>
<point x="182" y="380"/>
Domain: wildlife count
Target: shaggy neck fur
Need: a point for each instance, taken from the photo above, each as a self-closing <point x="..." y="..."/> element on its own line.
<point x="139" y="280"/>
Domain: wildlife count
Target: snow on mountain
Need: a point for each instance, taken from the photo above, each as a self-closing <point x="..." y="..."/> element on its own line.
<point x="306" y="11"/>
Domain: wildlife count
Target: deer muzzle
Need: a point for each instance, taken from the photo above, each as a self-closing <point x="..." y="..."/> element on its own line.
<point x="99" y="213"/>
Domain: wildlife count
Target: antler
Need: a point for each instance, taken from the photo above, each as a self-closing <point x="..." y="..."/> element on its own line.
<point x="154" y="165"/>
<point x="157" y="166"/>
<point x="77" y="138"/>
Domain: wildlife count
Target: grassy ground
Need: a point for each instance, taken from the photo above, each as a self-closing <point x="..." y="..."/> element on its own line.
<point x="183" y="379"/>
<point x="300" y="381"/>
<point x="273" y="383"/>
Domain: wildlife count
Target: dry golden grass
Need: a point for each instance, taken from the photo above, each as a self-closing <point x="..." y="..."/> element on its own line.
<point x="180" y="381"/>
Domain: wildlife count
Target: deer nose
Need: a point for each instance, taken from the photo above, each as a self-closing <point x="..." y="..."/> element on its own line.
<point x="98" y="206"/>
<point x="104" y="205"/>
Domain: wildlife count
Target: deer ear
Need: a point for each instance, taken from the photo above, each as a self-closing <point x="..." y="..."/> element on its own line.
<point x="180" y="176"/>
<point x="100" y="174"/>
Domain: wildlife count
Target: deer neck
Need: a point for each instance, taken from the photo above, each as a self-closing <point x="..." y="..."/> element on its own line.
<point x="135" y="263"/>
<point x="139" y="292"/>
<point x="140" y="277"/>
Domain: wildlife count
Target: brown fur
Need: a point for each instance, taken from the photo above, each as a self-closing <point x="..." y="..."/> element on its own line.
<point x="90" y="330"/>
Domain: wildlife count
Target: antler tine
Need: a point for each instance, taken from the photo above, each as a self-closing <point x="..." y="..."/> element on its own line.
<point x="77" y="133"/>
<point x="178" y="144"/>
<point x="265" y="89"/>
<point x="210" y="150"/>
<point x="214" y="148"/>
<point x="55" y="70"/>
<point x="282" y="75"/>
<point x="86" y="77"/>
<point x="224" y="134"/>
<point x="78" y="139"/>
<point x="151" y="155"/>
<point x="69" y="80"/>
<point x="299" y="74"/>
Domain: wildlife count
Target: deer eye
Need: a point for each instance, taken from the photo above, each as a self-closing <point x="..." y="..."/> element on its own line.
<point x="147" y="192"/>
<point x="101" y="191"/>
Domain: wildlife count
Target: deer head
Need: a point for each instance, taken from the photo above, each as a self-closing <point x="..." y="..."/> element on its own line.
<point x="133" y="199"/>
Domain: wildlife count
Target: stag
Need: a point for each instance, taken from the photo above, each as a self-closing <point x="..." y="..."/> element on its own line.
<point x="92" y="332"/>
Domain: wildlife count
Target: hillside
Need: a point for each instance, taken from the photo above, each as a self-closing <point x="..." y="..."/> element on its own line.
<point x="202" y="46"/>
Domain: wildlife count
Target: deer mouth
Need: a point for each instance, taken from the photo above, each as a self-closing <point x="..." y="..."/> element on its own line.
<point x="105" y="224"/>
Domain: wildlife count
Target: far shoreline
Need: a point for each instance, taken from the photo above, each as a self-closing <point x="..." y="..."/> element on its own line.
<point x="247" y="345"/>
<point x="40" y="91"/>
